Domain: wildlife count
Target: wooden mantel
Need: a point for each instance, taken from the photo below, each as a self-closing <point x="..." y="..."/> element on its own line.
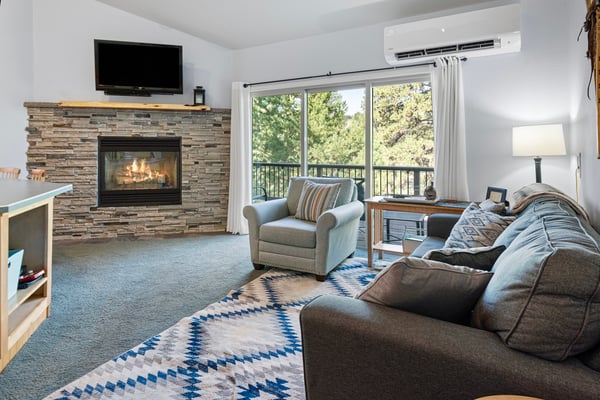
<point x="140" y="106"/>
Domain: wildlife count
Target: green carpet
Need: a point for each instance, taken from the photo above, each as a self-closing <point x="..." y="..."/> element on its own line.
<point x="108" y="297"/>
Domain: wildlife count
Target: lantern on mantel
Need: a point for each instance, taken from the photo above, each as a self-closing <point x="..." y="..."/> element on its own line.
<point x="199" y="96"/>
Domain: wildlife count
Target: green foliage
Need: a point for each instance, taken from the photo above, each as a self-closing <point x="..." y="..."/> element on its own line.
<point x="403" y="125"/>
<point x="276" y="128"/>
<point x="402" y="128"/>
<point x="333" y="137"/>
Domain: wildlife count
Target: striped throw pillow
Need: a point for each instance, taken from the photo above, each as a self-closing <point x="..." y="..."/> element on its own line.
<point x="315" y="199"/>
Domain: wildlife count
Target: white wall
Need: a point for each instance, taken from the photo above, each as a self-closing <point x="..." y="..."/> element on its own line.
<point x="16" y="46"/>
<point x="584" y="119"/>
<point x="526" y="88"/>
<point x="502" y="91"/>
<point x="64" y="31"/>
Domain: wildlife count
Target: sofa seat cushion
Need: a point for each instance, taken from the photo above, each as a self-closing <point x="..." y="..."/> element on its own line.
<point x="427" y="287"/>
<point x="477" y="228"/>
<point x="430" y="243"/>
<point x="290" y="231"/>
<point x="544" y="297"/>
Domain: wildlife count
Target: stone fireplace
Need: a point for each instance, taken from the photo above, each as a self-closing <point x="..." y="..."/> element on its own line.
<point x="190" y="175"/>
<point x="138" y="171"/>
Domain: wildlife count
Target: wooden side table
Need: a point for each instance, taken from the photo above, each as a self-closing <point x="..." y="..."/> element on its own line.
<point x="374" y="215"/>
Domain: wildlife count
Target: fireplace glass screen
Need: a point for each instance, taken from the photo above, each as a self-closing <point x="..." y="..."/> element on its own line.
<point x="134" y="171"/>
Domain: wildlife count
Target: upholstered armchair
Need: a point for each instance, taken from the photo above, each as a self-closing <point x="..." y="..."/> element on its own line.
<point x="312" y="230"/>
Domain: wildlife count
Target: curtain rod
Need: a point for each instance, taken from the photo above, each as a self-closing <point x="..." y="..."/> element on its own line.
<point x="329" y="74"/>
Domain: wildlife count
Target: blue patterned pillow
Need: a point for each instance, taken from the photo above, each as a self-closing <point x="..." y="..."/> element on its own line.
<point x="477" y="228"/>
<point x="315" y="199"/>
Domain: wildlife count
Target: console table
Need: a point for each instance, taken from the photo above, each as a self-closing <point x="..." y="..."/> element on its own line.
<point x="25" y="223"/>
<point x="374" y="215"/>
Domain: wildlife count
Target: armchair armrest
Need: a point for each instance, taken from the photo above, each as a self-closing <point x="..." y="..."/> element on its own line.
<point x="440" y="224"/>
<point x="378" y="352"/>
<point x="261" y="213"/>
<point x="341" y="215"/>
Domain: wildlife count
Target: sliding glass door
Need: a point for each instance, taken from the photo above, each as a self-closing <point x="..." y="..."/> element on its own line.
<point x="379" y="133"/>
<point x="403" y="139"/>
<point x="336" y="133"/>
<point x="276" y="144"/>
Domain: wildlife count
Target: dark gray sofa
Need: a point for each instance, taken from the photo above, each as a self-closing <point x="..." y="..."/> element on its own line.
<point x="354" y="349"/>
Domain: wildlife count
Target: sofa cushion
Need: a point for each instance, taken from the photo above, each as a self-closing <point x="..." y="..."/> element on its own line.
<point x="544" y="297"/>
<point x="591" y="358"/>
<point x="427" y="287"/>
<point x="476" y="257"/>
<point x="290" y="231"/>
<point x="315" y="199"/>
<point x="536" y="210"/>
<point x="476" y="228"/>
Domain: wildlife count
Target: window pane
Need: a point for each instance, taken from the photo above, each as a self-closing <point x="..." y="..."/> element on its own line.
<point x="336" y="133"/>
<point x="275" y="144"/>
<point x="402" y="138"/>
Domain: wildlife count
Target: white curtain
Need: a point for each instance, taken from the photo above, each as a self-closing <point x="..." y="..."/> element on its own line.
<point x="449" y="125"/>
<point x="240" y="176"/>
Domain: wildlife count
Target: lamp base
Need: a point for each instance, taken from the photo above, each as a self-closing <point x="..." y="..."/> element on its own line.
<point x="538" y="169"/>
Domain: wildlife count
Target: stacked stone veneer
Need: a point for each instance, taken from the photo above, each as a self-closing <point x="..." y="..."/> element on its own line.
<point x="63" y="141"/>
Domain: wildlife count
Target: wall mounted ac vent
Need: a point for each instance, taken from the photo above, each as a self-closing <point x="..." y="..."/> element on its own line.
<point x="477" y="33"/>
<point x="451" y="49"/>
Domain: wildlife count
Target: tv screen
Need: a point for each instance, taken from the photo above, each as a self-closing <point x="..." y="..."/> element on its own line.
<point x="140" y="69"/>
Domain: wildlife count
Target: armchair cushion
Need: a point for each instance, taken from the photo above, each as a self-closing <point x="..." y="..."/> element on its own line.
<point x="315" y="199"/>
<point x="428" y="287"/>
<point x="290" y="231"/>
<point x="347" y="190"/>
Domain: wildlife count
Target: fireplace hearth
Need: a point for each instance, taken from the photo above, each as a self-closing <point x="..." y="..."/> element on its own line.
<point x="139" y="171"/>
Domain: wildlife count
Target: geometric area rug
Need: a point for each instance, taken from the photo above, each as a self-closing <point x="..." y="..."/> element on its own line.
<point x="245" y="346"/>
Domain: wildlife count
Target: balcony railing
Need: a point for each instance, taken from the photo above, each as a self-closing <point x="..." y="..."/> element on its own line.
<point x="402" y="181"/>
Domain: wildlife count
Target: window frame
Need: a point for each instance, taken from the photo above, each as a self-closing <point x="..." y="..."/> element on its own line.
<point x="366" y="80"/>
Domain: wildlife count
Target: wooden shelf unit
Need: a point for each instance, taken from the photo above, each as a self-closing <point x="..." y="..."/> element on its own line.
<point x="25" y="223"/>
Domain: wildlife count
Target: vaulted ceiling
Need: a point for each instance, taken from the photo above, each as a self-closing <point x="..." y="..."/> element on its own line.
<point x="238" y="24"/>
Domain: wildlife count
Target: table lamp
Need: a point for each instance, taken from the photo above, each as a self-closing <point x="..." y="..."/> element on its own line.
<point x="537" y="141"/>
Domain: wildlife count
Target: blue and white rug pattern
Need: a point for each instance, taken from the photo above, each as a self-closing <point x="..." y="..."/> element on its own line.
<point x="246" y="346"/>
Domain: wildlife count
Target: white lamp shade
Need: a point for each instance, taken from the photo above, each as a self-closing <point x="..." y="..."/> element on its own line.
<point x="539" y="140"/>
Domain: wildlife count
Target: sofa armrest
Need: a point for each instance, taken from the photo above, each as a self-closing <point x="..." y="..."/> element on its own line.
<point x="440" y="225"/>
<point x="353" y="349"/>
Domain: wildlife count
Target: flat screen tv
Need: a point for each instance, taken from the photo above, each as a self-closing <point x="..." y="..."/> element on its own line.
<point x="138" y="69"/>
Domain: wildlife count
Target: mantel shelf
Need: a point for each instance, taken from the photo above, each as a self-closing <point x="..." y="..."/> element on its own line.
<point x="135" y="106"/>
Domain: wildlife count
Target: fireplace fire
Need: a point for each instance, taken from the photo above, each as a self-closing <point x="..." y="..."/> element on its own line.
<point x="139" y="171"/>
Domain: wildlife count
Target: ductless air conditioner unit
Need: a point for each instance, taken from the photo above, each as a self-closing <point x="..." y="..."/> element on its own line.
<point x="494" y="30"/>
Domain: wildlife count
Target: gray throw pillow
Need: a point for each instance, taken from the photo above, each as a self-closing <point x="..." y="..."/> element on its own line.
<point x="543" y="298"/>
<point x="477" y="257"/>
<point x="477" y="228"/>
<point x="429" y="288"/>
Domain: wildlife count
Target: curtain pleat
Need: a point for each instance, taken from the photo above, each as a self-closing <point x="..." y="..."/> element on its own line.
<point x="449" y="124"/>
<point x="240" y="176"/>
